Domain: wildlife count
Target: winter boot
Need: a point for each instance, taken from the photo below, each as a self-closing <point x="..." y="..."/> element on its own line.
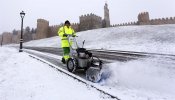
<point x="63" y="61"/>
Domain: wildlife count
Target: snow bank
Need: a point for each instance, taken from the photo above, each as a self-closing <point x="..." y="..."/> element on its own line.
<point x="146" y="38"/>
<point x="149" y="38"/>
<point x="151" y="77"/>
<point x="25" y="78"/>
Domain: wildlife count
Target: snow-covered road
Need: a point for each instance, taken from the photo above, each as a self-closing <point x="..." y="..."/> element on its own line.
<point x="153" y="78"/>
<point x="24" y="78"/>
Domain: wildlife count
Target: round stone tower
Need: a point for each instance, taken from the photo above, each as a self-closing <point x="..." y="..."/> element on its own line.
<point x="106" y="21"/>
<point x="143" y="18"/>
<point x="42" y="29"/>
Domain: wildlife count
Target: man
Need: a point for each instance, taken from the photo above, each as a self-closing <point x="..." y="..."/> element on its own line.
<point x="63" y="32"/>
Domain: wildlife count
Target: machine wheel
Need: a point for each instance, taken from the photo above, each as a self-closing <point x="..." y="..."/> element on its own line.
<point x="71" y="65"/>
<point x="88" y="66"/>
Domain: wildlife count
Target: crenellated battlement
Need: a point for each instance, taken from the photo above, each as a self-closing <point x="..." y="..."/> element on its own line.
<point x="89" y="16"/>
<point x="125" y="24"/>
<point x="93" y="21"/>
<point x="143" y="17"/>
<point x="90" y="21"/>
<point x="72" y="24"/>
<point x="42" y="21"/>
<point x="55" y="26"/>
<point x="170" y="20"/>
<point x="75" y="26"/>
<point x="87" y="22"/>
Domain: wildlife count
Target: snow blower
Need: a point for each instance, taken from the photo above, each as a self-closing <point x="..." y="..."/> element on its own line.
<point x="80" y="58"/>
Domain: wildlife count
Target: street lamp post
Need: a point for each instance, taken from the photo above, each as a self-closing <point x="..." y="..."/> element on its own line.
<point x="22" y="14"/>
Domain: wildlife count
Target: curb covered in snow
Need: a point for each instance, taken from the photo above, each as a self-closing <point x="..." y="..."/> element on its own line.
<point x="79" y="79"/>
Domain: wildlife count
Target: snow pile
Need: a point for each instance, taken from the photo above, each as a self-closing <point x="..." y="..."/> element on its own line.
<point x="24" y="78"/>
<point x="153" y="78"/>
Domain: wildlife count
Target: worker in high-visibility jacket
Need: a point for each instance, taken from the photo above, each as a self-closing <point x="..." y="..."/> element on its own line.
<point x="62" y="33"/>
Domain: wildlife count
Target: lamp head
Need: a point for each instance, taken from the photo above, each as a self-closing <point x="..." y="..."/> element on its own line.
<point x="22" y="14"/>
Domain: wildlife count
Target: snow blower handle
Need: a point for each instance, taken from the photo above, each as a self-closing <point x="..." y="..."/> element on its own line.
<point x="70" y="35"/>
<point x="83" y="43"/>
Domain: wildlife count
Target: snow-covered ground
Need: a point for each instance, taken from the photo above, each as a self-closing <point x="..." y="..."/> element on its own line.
<point x="22" y="77"/>
<point x="149" y="38"/>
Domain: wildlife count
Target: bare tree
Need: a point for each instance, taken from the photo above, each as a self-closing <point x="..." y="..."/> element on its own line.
<point x="27" y="30"/>
<point x="14" y="32"/>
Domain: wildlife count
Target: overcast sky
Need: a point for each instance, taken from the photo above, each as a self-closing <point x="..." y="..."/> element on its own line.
<point x="57" y="11"/>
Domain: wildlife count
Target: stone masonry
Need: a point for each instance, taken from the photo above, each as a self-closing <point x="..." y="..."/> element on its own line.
<point x="16" y="38"/>
<point x="144" y="19"/>
<point x="42" y="29"/>
<point x="90" y="21"/>
<point x="1" y="39"/>
<point x="106" y="21"/>
<point x="7" y="38"/>
<point x="87" y="22"/>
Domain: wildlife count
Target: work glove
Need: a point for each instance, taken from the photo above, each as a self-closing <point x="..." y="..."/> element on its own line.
<point x="64" y="35"/>
<point x="73" y="35"/>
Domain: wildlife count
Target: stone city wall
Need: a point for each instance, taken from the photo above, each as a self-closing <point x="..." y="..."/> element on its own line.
<point x="144" y="19"/>
<point x="53" y="30"/>
<point x="16" y="37"/>
<point x="1" y="39"/>
<point x="7" y="38"/>
<point x="90" y="21"/>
